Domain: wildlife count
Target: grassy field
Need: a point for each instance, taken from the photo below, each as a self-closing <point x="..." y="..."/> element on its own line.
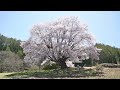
<point x="112" y="73"/>
<point x="108" y="73"/>
<point x="3" y="75"/>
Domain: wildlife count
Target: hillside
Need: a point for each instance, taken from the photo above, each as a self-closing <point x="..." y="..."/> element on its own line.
<point x="109" y="54"/>
<point x="11" y="44"/>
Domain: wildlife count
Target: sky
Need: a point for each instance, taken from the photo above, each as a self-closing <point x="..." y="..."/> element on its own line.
<point x="104" y="25"/>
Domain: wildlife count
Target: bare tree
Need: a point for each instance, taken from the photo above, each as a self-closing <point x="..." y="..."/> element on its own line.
<point x="9" y="61"/>
<point x="60" y="40"/>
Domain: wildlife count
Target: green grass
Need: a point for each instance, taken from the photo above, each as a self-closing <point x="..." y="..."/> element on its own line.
<point x="108" y="73"/>
<point x="53" y="74"/>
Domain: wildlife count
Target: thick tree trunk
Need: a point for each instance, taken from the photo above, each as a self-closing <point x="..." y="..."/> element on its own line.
<point x="1" y="69"/>
<point x="62" y="63"/>
<point x="39" y="68"/>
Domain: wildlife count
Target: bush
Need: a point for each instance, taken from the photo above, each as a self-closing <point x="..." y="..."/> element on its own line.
<point x="10" y="62"/>
<point x="111" y="65"/>
<point x="49" y="67"/>
<point x="33" y="68"/>
<point x="99" y="69"/>
<point x="90" y="72"/>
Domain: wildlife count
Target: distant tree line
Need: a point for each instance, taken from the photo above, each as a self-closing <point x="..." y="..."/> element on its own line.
<point x="11" y="44"/>
<point x="109" y="54"/>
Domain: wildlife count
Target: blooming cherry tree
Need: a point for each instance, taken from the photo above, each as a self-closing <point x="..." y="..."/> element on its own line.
<point x="63" y="39"/>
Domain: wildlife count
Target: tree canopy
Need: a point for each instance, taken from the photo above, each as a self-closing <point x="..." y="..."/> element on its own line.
<point x="61" y="40"/>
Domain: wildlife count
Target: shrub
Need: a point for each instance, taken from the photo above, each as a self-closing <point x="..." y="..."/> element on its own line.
<point x="99" y="69"/>
<point x="33" y="68"/>
<point x="49" y="67"/>
<point x="90" y="72"/>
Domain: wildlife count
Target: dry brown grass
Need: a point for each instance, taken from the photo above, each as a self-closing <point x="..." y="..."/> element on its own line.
<point x="108" y="73"/>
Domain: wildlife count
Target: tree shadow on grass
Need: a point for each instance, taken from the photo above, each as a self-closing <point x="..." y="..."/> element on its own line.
<point x="57" y="74"/>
